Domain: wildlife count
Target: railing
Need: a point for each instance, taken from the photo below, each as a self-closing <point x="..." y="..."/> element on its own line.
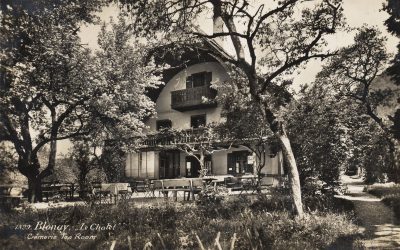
<point x="193" y="98"/>
<point x="165" y="138"/>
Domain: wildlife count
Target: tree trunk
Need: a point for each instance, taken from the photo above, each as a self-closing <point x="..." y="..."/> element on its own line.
<point x="29" y="166"/>
<point x="279" y="131"/>
<point x="201" y="161"/>
<point x="34" y="189"/>
<point x="294" y="178"/>
<point x="82" y="180"/>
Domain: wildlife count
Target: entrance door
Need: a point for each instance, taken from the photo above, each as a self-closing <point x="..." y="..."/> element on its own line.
<point x="192" y="167"/>
<point x="169" y="164"/>
<point x="237" y="163"/>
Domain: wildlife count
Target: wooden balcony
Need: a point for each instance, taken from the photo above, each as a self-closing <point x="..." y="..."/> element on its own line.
<point x="193" y="98"/>
<point x="165" y="138"/>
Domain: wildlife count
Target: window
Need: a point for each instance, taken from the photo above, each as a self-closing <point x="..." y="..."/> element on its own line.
<point x="197" y="121"/>
<point x="163" y="124"/>
<point x="238" y="163"/>
<point x="198" y="79"/>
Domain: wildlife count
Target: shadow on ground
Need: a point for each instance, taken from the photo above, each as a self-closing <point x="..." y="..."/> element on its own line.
<point x="379" y="227"/>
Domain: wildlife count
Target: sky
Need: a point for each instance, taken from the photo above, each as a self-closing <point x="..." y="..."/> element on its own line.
<point x="357" y="13"/>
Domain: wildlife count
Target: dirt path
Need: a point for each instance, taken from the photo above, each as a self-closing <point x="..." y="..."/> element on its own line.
<point x="377" y="221"/>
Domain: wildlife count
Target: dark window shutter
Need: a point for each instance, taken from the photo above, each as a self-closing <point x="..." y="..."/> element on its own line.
<point x="163" y="124"/>
<point x="231" y="164"/>
<point x="208" y="78"/>
<point x="197" y="121"/>
<point x="189" y="82"/>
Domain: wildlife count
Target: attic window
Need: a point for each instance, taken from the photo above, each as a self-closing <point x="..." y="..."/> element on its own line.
<point x="198" y="79"/>
<point x="163" y="124"/>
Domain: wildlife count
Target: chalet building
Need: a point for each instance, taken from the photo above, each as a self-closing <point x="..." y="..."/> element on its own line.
<point x="186" y="102"/>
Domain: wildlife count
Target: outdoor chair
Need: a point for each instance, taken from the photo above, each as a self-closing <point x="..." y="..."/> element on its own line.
<point x="249" y="185"/>
<point x="144" y="186"/>
<point x="86" y="191"/>
<point x="99" y="192"/>
<point x="197" y="187"/>
<point x="265" y="183"/>
<point x="124" y="191"/>
<point x="67" y="190"/>
<point x="233" y="183"/>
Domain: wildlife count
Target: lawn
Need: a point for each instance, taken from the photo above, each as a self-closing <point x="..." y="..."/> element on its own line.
<point x="256" y="223"/>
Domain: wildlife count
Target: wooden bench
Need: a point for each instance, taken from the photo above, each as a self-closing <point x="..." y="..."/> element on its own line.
<point x="50" y="189"/>
<point x="67" y="190"/>
<point x="10" y="196"/>
<point x="189" y="186"/>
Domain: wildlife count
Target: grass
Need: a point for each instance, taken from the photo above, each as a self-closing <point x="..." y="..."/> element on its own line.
<point x="263" y="223"/>
<point x="390" y="196"/>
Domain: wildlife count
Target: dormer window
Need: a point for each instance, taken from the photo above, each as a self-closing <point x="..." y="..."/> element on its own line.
<point x="198" y="79"/>
<point x="163" y="124"/>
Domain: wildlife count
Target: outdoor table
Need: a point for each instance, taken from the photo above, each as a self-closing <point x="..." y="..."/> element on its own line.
<point x="113" y="189"/>
<point x="208" y="179"/>
<point x="217" y="182"/>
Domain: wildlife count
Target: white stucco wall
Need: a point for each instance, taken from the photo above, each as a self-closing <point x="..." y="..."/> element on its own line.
<point x="181" y="120"/>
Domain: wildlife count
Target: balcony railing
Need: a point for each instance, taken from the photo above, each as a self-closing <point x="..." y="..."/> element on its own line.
<point x="165" y="138"/>
<point x="193" y="98"/>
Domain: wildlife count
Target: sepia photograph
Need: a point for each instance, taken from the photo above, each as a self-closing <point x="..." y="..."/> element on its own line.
<point x="199" y="124"/>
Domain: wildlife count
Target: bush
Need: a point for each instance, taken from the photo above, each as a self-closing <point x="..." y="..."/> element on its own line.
<point x="382" y="191"/>
<point x="177" y="226"/>
<point x="280" y="200"/>
<point x="393" y="201"/>
<point x="210" y="196"/>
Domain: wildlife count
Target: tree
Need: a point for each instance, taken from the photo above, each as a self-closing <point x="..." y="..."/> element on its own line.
<point x="39" y="54"/>
<point x="393" y="25"/>
<point x="353" y="73"/>
<point x="244" y="124"/>
<point x="124" y="61"/>
<point x="8" y="159"/>
<point x="112" y="161"/>
<point x="196" y="142"/>
<point x="52" y="88"/>
<point x="319" y="131"/>
<point x="271" y="41"/>
<point x="85" y="160"/>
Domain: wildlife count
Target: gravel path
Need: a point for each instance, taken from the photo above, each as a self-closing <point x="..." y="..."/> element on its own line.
<point x="377" y="221"/>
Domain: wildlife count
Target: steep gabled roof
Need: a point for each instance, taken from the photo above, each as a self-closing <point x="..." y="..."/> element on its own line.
<point x="181" y="58"/>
